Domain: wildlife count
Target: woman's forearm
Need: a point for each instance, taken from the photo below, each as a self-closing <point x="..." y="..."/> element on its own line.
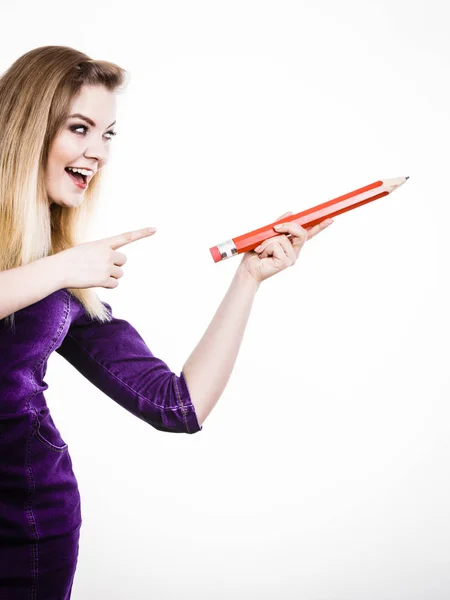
<point x="209" y="366"/>
<point x="22" y="286"/>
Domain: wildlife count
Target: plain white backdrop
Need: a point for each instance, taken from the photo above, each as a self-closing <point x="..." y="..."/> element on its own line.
<point x="322" y="473"/>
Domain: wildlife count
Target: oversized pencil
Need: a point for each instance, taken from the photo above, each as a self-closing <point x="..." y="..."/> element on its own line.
<point x="307" y="218"/>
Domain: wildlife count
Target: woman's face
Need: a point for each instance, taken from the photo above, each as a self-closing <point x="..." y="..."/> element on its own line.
<point x="82" y="142"/>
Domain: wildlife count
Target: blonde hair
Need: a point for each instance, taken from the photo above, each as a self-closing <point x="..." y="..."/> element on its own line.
<point x="36" y="93"/>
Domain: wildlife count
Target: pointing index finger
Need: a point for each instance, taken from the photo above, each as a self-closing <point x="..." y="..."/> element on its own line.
<point x="130" y="236"/>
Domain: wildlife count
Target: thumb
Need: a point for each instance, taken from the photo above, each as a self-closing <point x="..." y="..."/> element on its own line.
<point x="285" y="215"/>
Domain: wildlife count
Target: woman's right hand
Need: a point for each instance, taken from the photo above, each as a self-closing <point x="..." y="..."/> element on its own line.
<point x="96" y="264"/>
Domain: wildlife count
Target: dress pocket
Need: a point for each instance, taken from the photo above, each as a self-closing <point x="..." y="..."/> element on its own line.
<point x="46" y="431"/>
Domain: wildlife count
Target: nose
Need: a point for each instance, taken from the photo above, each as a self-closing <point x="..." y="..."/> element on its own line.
<point x="98" y="151"/>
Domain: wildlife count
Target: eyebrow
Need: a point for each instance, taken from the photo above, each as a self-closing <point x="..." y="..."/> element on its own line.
<point x="87" y="119"/>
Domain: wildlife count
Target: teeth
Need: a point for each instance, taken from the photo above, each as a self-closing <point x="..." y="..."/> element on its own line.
<point x="82" y="171"/>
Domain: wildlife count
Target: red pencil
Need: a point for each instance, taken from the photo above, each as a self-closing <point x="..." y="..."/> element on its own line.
<point x="307" y="218"/>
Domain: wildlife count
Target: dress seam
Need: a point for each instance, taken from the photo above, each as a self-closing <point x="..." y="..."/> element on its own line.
<point x="31" y="517"/>
<point x="181" y="404"/>
<point x="48" y="351"/>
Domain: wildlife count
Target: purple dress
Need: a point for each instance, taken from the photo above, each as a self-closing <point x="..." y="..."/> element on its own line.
<point x="40" y="514"/>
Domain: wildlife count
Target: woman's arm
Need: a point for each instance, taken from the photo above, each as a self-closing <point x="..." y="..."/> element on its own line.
<point x="209" y="366"/>
<point x="28" y="284"/>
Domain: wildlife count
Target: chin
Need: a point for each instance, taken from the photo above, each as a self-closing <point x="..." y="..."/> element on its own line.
<point x="68" y="203"/>
<point x="75" y="202"/>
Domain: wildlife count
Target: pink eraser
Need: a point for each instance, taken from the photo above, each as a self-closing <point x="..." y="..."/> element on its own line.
<point x="215" y="254"/>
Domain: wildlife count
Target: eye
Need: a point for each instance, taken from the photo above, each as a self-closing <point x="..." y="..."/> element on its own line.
<point x="86" y="128"/>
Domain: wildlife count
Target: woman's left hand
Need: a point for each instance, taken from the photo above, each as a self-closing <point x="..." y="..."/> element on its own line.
<point x="277" y="253"/>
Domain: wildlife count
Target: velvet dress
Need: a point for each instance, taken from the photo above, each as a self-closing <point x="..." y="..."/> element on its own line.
<point x="40" y="513"/>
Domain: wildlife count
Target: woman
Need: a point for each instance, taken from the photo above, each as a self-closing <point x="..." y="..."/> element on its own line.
<point x="57" y="112"/>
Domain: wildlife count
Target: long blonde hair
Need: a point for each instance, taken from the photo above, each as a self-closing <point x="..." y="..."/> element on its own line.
<point x="36" y="93"/>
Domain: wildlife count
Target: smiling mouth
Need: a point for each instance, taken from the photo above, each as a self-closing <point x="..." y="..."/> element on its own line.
<point x="77" y="178"/>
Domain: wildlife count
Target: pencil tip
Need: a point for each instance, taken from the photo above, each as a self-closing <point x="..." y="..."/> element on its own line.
<point x="407" y="177"/>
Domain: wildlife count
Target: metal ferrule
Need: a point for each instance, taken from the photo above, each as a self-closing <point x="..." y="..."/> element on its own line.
<point x="227" y="249"/>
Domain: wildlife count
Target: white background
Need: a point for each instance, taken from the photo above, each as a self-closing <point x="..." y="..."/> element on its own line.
<point x="322" y="473"/>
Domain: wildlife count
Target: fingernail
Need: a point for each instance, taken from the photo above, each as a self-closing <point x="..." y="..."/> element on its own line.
<point x="258" y="248"/>
<point x="278" y="226"/>
<point x="151" y="229"/>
